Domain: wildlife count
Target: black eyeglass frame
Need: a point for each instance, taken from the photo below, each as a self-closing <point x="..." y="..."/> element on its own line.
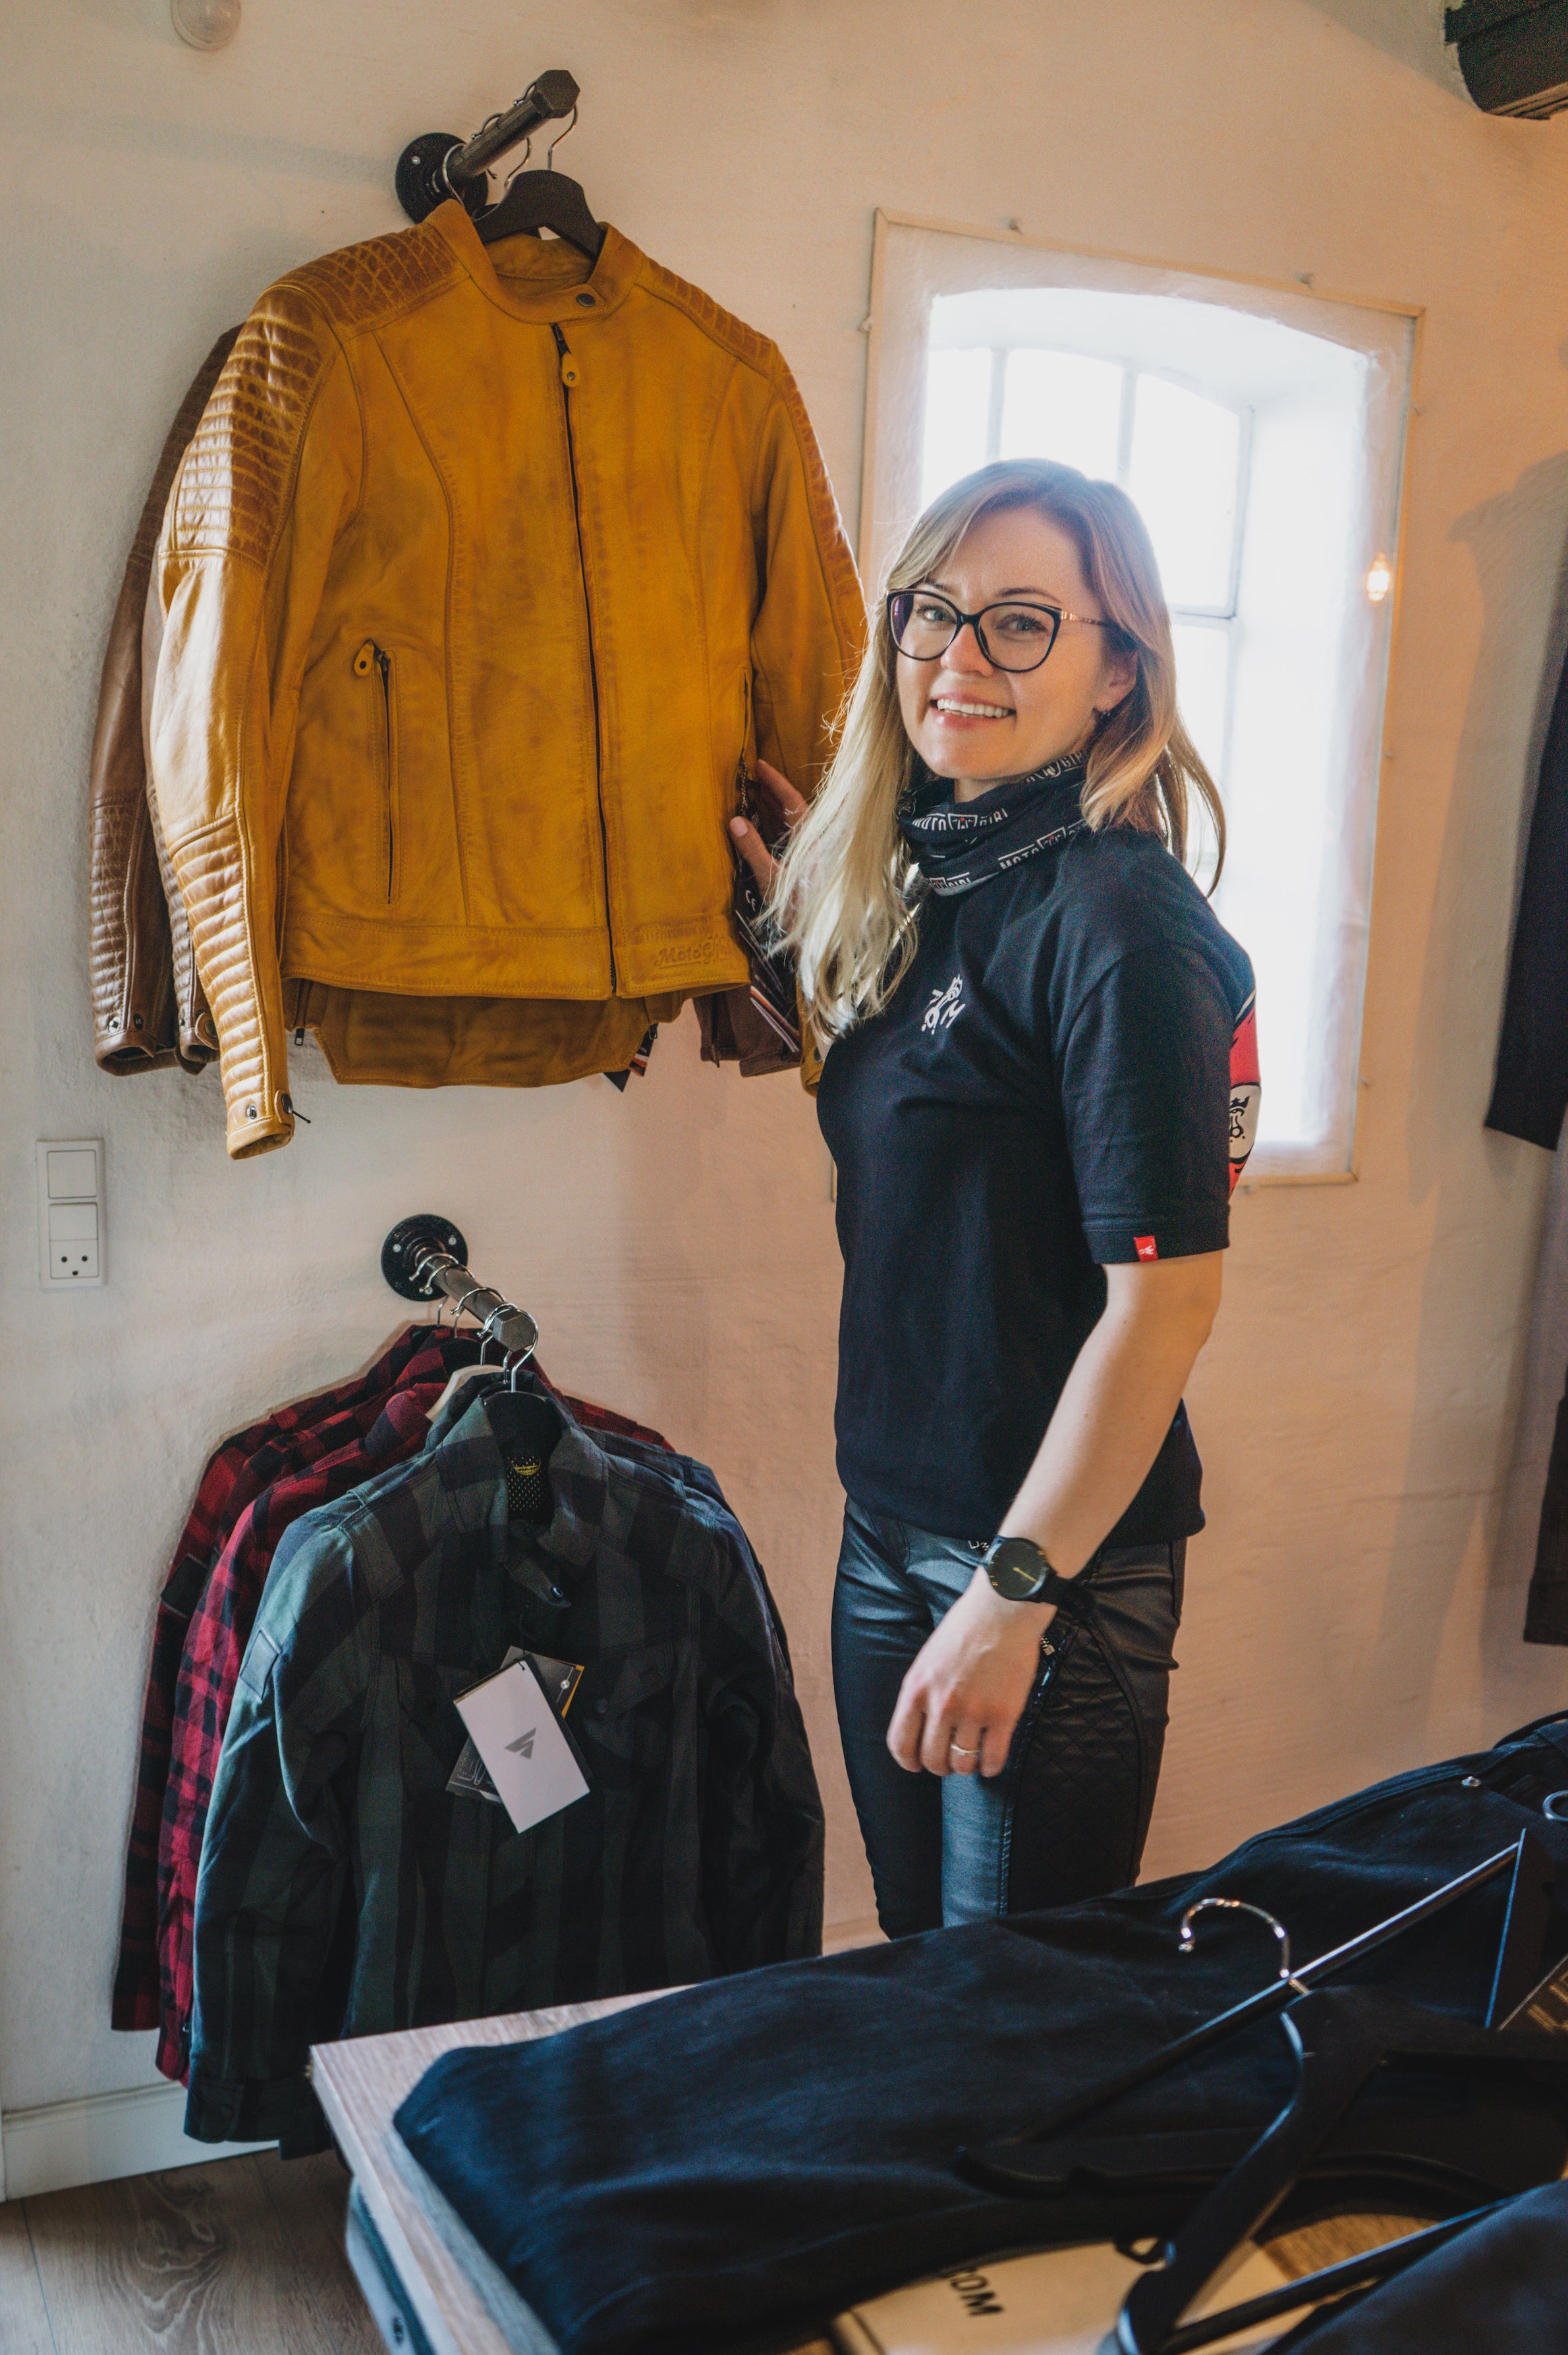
<point x="1058" y="615"/>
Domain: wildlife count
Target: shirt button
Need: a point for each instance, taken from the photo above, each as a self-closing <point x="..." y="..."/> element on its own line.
<point x="587" y="301"/>
<point x="601" y="1709"/>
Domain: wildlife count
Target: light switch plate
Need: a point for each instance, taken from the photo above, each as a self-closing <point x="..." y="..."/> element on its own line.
<point x="70" y="1213"/>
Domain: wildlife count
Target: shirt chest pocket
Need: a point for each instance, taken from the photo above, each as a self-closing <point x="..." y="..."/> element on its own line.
<point x="623" y="1714"/>
<point x="431" y="1734"/>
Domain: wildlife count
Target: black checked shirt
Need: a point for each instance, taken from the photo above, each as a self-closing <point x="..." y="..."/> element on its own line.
<point x="343" y="1891"/>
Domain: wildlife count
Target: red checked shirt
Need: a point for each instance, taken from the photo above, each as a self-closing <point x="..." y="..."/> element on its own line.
<point x="238" y="1471"/>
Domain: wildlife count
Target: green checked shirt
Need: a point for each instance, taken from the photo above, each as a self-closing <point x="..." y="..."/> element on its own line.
<point x="345" y="1890"/>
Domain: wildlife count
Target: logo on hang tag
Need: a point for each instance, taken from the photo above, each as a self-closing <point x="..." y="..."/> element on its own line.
<point x="529" y="1757"/>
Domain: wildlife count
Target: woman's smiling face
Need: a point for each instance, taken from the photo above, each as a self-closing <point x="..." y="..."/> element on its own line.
<point x="978" y="724"/>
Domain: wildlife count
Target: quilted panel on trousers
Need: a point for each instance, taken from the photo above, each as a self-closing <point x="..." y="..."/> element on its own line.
<point x="364" y="282"/>
<point x="1080" y="1773"/>
<point x="228" y="496"/>
<point x="211" y="873"/>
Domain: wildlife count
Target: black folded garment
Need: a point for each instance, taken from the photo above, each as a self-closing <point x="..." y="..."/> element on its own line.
<point x="729" y="2167"/>
<point x="1501" y="2289"/>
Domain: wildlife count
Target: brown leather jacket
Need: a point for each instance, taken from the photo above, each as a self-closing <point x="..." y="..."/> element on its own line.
<point x="148" y="1010"/>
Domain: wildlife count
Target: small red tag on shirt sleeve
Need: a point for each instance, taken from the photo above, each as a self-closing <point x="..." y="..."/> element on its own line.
<point x="1145" y="1246"/>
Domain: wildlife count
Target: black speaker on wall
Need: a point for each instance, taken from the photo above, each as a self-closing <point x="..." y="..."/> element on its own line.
<point x="1514" y="54"/>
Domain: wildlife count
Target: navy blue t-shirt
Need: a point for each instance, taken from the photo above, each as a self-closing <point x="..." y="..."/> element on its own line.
<point x="1065" y="1077"/>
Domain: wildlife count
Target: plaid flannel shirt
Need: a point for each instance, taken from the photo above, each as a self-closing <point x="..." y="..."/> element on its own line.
<point x="220" y="1629"/>
<point x="237" y="1472"/>
<point x="344" y="1890"/>
<point x="184" y="1715"/>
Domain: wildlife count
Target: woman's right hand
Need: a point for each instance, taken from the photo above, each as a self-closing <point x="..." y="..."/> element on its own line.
<point x="790" y="807"/>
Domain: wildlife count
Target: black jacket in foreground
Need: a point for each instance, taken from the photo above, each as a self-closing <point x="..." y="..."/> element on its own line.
<point x="731" y="2166"/>
<point x="1531" y="1090"/>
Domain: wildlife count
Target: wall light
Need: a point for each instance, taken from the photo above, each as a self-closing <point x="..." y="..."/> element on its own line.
<point x="1380" y="579"/>
<point x="206" y="24"/>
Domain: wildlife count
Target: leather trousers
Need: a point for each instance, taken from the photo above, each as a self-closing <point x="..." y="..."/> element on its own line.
<point x="1068" y="1815"/>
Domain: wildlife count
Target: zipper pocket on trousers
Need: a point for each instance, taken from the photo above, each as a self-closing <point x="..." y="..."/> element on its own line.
<point x="372" y="658"/>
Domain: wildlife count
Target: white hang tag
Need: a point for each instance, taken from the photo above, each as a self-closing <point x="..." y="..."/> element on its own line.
<point x="527" y="1755"/>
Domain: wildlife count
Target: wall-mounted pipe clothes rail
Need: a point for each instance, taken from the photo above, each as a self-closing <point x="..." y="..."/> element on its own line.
<point x="425" y="1257"/>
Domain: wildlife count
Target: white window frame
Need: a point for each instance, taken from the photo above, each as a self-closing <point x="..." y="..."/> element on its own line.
<point x="1221" y="617"/>
<point x="916" y="261"/>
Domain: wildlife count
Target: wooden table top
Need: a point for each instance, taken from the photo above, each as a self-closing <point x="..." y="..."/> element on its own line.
<point x="444" y="2272"/>
<point x="464" y="2302"/>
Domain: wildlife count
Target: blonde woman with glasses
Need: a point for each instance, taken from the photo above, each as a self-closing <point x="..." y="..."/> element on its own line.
<point x="1039" y="1086"/>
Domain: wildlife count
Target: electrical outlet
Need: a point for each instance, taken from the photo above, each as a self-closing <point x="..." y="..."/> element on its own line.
<point x="70" y="1213"/>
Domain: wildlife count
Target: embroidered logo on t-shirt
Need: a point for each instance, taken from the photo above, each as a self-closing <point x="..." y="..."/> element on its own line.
<point x="945" y="1007"/>
<point x="1145" y="1246"/>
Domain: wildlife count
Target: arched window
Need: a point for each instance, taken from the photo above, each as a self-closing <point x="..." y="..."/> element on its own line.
<point x="1261" y="435"/>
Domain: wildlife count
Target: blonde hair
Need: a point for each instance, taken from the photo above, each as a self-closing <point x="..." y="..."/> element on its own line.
<point x="846" y="899"/>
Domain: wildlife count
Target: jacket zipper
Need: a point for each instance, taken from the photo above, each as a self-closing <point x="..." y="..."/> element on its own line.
<point x="567" y="379"/>
<point x="368" y="654"/>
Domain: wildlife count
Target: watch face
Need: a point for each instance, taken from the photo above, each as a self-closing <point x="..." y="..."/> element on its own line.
<point x="1017" y="1569"/>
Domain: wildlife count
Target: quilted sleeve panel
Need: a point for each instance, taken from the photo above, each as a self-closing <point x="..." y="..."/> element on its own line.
<point x="270" y="475"/>
<point x="210" y="872"/>
<point x="231" y="492"/>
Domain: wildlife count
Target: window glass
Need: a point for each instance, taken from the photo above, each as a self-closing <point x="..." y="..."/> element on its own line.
<point x="1202" y="685"/>
<point x="1185" y="456"/>
<point x="1064" y="405"/>
<point x="957" y="416"/>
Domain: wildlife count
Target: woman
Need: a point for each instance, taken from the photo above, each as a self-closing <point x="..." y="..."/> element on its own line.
<point x="1038" y="1088"/>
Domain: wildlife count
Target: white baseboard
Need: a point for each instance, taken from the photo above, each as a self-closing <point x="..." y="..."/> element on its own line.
<point x="105" y="2135"/>
<point x="100" y="2137"/>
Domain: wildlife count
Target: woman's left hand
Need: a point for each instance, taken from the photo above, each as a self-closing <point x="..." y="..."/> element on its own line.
<point x="965" y="1694"/>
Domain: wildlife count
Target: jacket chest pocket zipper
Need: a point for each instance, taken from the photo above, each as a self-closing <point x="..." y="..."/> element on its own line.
<point x="374" y="660"/>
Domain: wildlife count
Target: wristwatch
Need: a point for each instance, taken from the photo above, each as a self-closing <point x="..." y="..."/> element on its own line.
<point x="1020" y="1573"/>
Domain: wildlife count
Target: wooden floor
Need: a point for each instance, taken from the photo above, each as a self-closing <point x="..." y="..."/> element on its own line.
<point x="243" y="2256"/>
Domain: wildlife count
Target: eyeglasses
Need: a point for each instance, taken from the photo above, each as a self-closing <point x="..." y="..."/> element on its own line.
<point x="1011" y="636"/>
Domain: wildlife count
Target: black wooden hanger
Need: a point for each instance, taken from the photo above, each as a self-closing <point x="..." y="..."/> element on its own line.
<point x="546" y="199"/>
<point x="1340" y="2038"/>
<point x="1019" y="2163"/>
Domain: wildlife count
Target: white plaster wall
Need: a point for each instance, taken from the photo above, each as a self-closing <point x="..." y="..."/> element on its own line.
<point x="1350" y="1610"/>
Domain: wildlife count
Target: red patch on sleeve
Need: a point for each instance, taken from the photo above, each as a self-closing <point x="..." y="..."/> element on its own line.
<point x="1145" y="1246"/>
<point x="1246" y="1093"/>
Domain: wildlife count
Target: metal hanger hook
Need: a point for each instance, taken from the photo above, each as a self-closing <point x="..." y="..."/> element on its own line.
<point x="426" y="1265"/>
<point x="1550" y="1808"/>
<point x="555" y="143"/>
<point x="520" y="167"/>
<point x="1187" y="1944"/>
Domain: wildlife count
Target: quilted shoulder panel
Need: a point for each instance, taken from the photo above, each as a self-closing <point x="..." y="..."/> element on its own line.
<point x="361" y="283"/>
<point x="719" y="326"/>
<point x="228" y="495"/>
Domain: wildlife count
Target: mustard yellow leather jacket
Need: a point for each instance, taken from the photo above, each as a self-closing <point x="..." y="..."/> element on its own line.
<point x="481" y="578"/>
